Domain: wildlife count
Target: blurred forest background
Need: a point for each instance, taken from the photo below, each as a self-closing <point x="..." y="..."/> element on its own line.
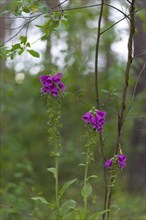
<point x="70" y="49"/>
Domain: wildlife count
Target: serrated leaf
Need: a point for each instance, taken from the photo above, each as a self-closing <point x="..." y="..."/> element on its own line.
<point x="52" y="170"/>
<point x="65" y="186"/>
<point x="67" y="206"/>
<point x="86" y="190"/>
<point x="34" y="53"/>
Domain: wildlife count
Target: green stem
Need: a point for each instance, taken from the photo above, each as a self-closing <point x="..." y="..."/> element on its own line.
<point x="57" y="188"/>
<point x="85" y="183"/>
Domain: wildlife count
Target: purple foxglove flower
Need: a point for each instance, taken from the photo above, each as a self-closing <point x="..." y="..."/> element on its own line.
<point x="45" y="90"/>
<point x="108" y="163"/>
<point x="54" y="91"/>
<point x="49" y="81"/>
<point x="122" y="160"/>
<point x="122" y="164"/>
<point x="93" y="121"/>
<point x="101" y="113"/>
<point x="99" y="128"/>
<point x="56" y="79"/>
<point x="62" y="86"/>
<point x="59" y="75"/>
<point x="86" y="117"/>
<point x="43" y="79"/>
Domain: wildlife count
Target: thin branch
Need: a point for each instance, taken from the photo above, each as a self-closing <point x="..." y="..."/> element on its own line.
<point x="70" y="9"/>
<point x="121" y="115"/>
<point x="19" y="31"/>
<point x="138" y="55"/>
<point x="139" y="75"/>
<point x="127" y="71"/>
<point x="122" y="19"/>
<point x="115" y="113"/>
<point x="36" y="16"/>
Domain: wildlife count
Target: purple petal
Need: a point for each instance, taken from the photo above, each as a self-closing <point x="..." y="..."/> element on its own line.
<point x="86" y="117"/>
<point x="99" y="128"/>
<point x="43" y="79"/>
<point x="49" y="81"/>
<point x="121" y="158"/>
<point x="101" y="113"/>
<point x="54" y="91"/>
<point x="122" y="164"/>
<point x="56" y="79"/>
<point x="59" y="75"/>
<point x="108" y="163"/>
<point x="62" y="86"/>
<point x="45" y="90"/>
<point x="93" y="121"/>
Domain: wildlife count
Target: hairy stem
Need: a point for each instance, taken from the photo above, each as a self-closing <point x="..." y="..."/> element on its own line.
<point x="85" y="183"/>
<point x="57" y="188"/>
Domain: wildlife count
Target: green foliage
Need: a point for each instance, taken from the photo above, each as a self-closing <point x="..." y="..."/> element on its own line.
<point x="66" y="186"/>
<point x="52" y="170"/>
<point x="34" y="53"/>
<point x="24" y="137"/>
<point x="86" y="190"/>
<point x="17" y="7"/>
<point x="20" y="47"/>
<point x="67" y="207"/>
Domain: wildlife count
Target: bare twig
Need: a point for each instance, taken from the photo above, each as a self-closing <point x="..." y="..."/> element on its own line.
<point x="32" y="18"/>
<point x="122" y="19"/>
<point x="19" y="31"/>
<point x="139" y="55"/>
<point x="139" y="75"/>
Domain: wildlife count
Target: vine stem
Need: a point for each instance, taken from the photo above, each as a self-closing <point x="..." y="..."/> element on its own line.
<point x="121" y="115"/>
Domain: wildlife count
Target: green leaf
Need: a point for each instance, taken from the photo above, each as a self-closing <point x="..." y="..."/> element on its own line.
<point x="34" y="53"/>
<point x="67" y="206"/>
<point x="26" y="9"/>
<point x="28" y="44"/>
<point x="98" y="215"/>
<point x="52" y="170"/>
<point x="65" y="186"/>
<point x="44" y="201"/>
<point x="20" y="51"/>
<point x="92" y="176"/>
<point x="16" y="46"/>
<point x="82" y="165"/>
<point x="23" y="39"/>
<point x="86" y="190"/>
